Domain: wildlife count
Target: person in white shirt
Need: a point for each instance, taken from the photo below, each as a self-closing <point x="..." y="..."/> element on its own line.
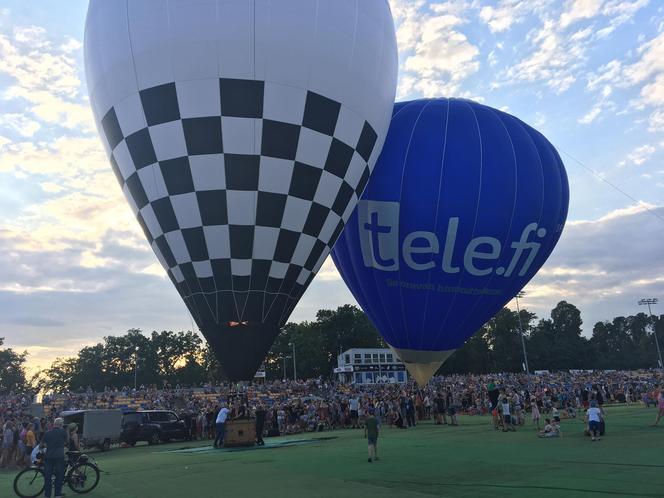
<point x="507" y="417"/>
<point x="354" y="406"/>
<point x="221" y="425"/>
<point x="35" y="452"/>
<point x="594" y="416"/>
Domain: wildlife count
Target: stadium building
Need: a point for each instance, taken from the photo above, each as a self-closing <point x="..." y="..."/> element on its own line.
<point x="370" y="366"/>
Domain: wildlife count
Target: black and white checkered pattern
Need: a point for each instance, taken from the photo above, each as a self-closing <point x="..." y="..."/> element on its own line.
<point x="241" y="199"/>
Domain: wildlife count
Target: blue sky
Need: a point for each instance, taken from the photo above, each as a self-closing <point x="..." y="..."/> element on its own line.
<point x="588" y="73"/>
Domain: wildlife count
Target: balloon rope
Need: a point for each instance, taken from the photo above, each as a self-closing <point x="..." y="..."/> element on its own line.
<point x="614" y="186"/>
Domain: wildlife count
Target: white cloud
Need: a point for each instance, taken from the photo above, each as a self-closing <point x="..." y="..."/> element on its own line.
<point x="506" y="13"/>
<point x="653" y="92"/>
<point x="555" y="59"/>
<point x="607" y="73"/>
<point x="639" y="155"/>
<point x="577" y="10"/>
<point x="46" y="76"/>
<point x="647" y="71"/>
<point x="622" y="11"/>
<point x="656" y="121"/>
<point x="53" y="109"/>
<point x="591" y="115"/>
<point x="436" y="55"/>
<point x="603" y="104"/>
<point x="651" y="61"/>
<point x="34" y="36"/>
<point x="502" y="17"/>
<point x="20" y="123"/>
<point x="603" y="266"/>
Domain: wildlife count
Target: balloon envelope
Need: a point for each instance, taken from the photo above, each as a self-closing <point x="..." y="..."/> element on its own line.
<point x="465" y="205"/>
<point x="242" y="133"/>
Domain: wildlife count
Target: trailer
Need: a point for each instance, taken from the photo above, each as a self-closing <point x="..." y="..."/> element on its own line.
<point x="96" y="428"/>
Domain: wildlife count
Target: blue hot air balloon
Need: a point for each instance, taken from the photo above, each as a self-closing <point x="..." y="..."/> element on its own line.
<point x="465" y="205"/>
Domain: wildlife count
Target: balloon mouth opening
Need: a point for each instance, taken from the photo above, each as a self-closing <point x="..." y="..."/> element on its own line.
<point x="422" y="365"/>
<point x="240" y="346"/>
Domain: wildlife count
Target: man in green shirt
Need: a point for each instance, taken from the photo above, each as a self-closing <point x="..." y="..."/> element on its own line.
<point x="371" y="426"/>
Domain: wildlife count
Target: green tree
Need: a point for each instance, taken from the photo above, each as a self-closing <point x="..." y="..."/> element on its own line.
<point x="556" y="343"/>
<point x="344" y="328"/>
<point x="57" y="378"/>
<point x="473" y="357"/>
<point x="503" y="336"/>
<point x="318" y="343"/>
<point x="310" y="353"/>
<point x="12" y="369"/>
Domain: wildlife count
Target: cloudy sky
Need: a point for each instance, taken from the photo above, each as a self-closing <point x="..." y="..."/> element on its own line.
<point x="588" y="73"/>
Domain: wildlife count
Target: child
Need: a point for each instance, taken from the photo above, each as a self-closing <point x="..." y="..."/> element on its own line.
<point x="371" y="427"/>
<point x="497" y="419"/>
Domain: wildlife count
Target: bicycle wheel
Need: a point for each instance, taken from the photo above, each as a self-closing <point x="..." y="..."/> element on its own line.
<point x="83" y="478"/>
<point x="29" y="483"/>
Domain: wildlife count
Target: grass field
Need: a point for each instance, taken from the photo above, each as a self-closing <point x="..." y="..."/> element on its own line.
<point x="471" y="460"/>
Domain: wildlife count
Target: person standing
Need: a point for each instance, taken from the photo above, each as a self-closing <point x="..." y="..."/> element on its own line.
<point x="439" y="409"/>
<point x="493" y="394"/>
<point x="354" y="407"/>
<point x="30" y="443"/>
<point x="535" y="412"/>
<point x="7" y="444"/>
<point x="220" y="426"/>
<point x="451" y="403"/>
<point x="371" y="427"/>
<point x="507" y="416"/>
<point x="660" y="405"/>
<point x="260" y="424"/>
<point x="55" y="441"/>
<point x="594" y="416"/>
<point x="410" y="412"/>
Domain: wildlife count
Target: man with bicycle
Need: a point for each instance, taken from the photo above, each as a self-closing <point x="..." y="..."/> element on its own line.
<point x="55" y="441"/>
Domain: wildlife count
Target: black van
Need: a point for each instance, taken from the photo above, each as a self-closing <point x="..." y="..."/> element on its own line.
<point x="153" y="426"/>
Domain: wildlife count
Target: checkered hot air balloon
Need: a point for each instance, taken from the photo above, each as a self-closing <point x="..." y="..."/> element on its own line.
<point x="242" y="133"/>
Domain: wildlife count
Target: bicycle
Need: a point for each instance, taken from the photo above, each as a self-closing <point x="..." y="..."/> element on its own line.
<point x="81" y="475"/>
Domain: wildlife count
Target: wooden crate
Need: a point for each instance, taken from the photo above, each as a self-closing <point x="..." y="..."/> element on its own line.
<point x="240" y="433"/>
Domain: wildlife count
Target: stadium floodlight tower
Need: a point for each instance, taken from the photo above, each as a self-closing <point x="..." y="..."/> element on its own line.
<point x="523" y="341"/>
<point x="651" y="301"/>
<point x="284" y="358"/>
<point x="292" y="344"/>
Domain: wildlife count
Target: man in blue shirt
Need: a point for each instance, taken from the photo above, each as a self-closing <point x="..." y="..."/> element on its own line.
<point x="55" y="441"/>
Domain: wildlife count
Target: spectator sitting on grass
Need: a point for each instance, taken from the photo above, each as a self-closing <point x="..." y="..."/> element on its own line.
<point x="556" y="414"/>
<point x="550" y="430"/>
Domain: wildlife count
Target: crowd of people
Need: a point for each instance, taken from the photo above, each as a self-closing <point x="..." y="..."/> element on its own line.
<point x="289" y="407"/>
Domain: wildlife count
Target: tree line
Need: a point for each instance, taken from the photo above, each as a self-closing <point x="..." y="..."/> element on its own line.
<point x="183" y="358"/>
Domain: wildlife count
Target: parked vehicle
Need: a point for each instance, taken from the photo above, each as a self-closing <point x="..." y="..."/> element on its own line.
<point x="96" y="428"/>
<point x="153" y="426"/>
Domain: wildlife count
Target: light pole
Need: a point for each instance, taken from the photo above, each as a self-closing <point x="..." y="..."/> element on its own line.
<point x="523" y="341"/>
<point x="292" y="344"/>
<point x="284" y="358"/>
<point x="648" y="302"/>
<point x="135" y="366"/>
